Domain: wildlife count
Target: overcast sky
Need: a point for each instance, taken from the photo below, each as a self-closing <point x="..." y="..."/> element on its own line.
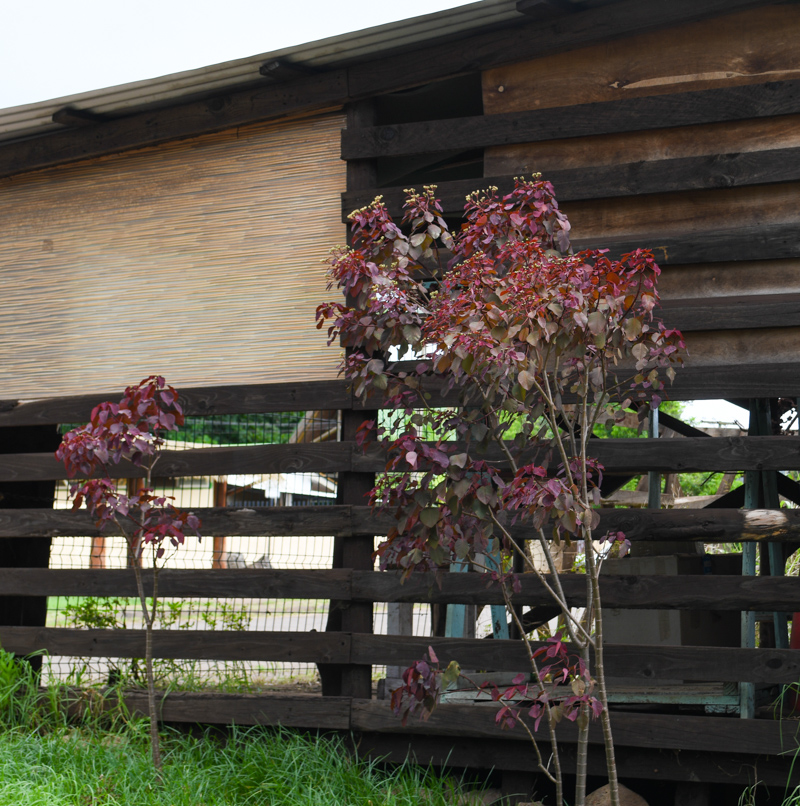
<point x="53" y="48"/>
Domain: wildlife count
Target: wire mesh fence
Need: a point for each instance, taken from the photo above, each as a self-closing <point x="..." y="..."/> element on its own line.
<point x="221" y="552"/>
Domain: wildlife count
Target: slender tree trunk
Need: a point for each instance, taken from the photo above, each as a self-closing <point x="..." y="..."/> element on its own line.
<point x="599" y="668"/>
<point x="148" y="614"/>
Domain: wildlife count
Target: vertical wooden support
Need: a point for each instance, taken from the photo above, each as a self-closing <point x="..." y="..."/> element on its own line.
<point x="33" y="552"/>
<point x="219" y="551"/>
<point x="353" y="551"/>
<point x="356" y="553"/>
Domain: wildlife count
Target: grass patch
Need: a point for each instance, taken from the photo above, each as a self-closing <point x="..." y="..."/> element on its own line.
<point x="252" y="766"/>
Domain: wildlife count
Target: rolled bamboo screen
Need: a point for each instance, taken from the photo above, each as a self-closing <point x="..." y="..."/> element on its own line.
<point x="201" y="260"/>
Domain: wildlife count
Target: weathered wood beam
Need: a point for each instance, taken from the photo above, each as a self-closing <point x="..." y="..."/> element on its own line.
<point x="71" y="116"/>
<point x="722" y="664"/>
<point x="764" y="242"/>
<point x="603" y="117"/>
<point x="687" y="455"/>
<point x="607" y="181"/>
<point x="541" y="9"/>
<point x="709" y="525"/>
<point x="668" y="732"/>
<point x="684" y="592"/>
<point x="632" y="762"/>
<point x="691" y="383"/>
<point x="197" y="401"/>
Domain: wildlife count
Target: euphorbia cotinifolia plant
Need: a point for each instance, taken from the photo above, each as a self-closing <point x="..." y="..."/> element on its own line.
<point x="534" y="346"/>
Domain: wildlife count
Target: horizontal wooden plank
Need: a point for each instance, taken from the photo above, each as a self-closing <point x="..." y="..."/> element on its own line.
<point x="709" y="525"/>
<point x="217" y="708"/>
<point x="685" y="455"/>
<point x="647" y="664"/>
<point x="764" y="242"/>
<point x="732" y="313"/>
<point x="292" y="647"/>
<point x="323" y="457"/>
<point x="758" y="380"/>
<point x="623" y="592"/>
<point x="464" y="752"/>
<point x="683" y="592"/>
<point x="664" y="731"/>
<point x="643" y="663"/>
<point x="607" y="181"/>
<point x="197" y="401"/>
<point x="607" y="117"/>
<point x="251" y="583"/>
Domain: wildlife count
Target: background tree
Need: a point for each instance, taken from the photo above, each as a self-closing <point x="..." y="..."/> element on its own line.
<point x="532" y="347"/>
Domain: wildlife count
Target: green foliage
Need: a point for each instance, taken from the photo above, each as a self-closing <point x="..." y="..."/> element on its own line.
<point x="74" y="767"/>
<point x="116" y="613"/>
<point x="239" y="429"/>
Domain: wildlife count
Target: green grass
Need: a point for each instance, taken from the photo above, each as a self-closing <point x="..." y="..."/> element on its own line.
<point x="255" y="766"/>
<point x="54" y="753"/>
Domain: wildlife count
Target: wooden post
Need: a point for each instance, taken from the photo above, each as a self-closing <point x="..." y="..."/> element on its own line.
<point x="354" y="551"/>
<point x="26" y="611"/>
<point x="219" y="550"/>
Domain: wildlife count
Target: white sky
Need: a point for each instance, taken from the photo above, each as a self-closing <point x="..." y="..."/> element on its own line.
<point x="52" y="48"/>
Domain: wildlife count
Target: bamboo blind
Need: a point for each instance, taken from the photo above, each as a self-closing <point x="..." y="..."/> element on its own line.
<point x="201" y="260"/>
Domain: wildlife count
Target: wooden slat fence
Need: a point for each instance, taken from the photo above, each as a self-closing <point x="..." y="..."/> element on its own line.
<point x="359" y="649"/>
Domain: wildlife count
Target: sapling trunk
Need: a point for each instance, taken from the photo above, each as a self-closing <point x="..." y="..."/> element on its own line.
<point x="148" y="615"/>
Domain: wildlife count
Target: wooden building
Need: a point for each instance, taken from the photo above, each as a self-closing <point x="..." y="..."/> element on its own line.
<point x="181" y="223"/>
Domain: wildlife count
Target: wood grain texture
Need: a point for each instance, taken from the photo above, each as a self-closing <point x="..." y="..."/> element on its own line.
<point x="619" y="592"/>
<point x="637" y="730"/>
<point x="718" y="170"/>
<point x="734" y="380"/>
<point x="196" y="644"/>
<point x="332" y="88"/>
<point x="581" y="120"/>
<point x="644" y="147"/>
<point x="288" y="458"/>
<point x="632" y="762"/>
<point x="686" y="455"/>
<point x="321" y="713"/>
<point x="715" y="526"/>
<point x="750" y="279"/>
<point x="642" y="663"/>
<point x="196" y="401"/>
<point x="748" y="47"/>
